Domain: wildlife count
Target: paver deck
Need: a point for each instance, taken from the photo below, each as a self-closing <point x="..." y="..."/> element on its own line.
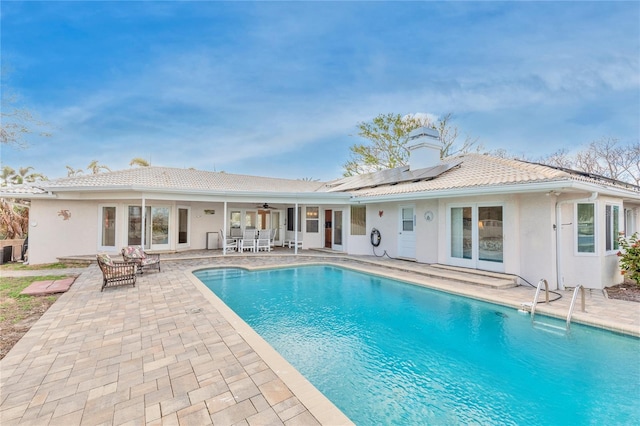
<point x="162" y="352"/>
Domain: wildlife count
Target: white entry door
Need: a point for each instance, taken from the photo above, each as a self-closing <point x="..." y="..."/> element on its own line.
<point x="407" y="232"/>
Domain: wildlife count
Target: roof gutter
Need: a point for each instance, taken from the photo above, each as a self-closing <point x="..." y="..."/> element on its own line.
<point x="227" y="194"/>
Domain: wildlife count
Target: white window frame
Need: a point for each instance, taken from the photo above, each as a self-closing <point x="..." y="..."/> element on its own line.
<point x="358" y="228"/>
<point x="614" y="234"/>
<point x="629" y="222"/>
<point x="310" y="219"/>
<point x="595" y="231"/>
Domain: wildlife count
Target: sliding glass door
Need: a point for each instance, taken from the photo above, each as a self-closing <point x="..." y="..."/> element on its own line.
<point x="475" y="235"/>
<point x="156" y="235"/>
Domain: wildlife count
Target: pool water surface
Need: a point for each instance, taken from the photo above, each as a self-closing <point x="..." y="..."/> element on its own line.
<point x="388" y="352"/>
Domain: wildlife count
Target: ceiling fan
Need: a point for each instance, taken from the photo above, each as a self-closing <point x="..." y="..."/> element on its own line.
<point x="265" y="206"/>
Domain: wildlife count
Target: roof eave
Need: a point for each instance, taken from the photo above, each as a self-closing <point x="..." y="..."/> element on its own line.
<point x="200" y="192"/>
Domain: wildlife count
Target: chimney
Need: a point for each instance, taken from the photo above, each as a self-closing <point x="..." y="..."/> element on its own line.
<point x="424" y="148"/>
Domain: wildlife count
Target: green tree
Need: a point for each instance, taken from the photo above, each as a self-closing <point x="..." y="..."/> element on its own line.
<point x="630" y="257"/>
<point x="387" y="136"/>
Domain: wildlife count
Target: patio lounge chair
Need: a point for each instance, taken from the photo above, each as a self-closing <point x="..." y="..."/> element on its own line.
<point x="248" y="241"/>
<point x="290" y="240"/>
<point x="116" y="273"/>
<point x="228" y="243"/>
<point x="264" y="240"/>
<point x="144" y="260"/>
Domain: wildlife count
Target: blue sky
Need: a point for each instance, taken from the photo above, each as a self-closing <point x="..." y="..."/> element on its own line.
<point x="278" y="88"/>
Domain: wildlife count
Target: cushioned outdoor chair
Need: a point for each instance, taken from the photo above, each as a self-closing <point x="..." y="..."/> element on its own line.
<point x="116" y="273"/>
<point x="144" y="260"/>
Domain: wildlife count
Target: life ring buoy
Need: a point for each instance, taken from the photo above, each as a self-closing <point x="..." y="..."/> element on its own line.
<point x="375" y="237"/>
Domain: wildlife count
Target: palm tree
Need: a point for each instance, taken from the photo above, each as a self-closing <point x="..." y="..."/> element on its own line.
<point x="7" y="176"/>
<point x="73" y="172"/>
<point x="23" y="176"/>
<point x="140" y="162"/>
<point x="14" y="220"/>
<point x="94" y="167"/>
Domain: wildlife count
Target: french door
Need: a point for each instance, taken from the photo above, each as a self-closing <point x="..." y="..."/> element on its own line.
<point x="475" y="236"/>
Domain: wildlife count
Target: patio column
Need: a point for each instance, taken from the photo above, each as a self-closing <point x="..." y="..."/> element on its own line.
<point x="224" y="229"/>
<point x="144" y="223"/>
<point x="295" y="229"/>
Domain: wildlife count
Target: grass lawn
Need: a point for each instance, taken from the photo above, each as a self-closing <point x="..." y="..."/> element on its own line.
<point x="23" y="267"/>
<point x="19" y="312"/>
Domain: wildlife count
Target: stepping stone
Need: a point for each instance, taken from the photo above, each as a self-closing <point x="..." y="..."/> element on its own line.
<point x="40" y="288"/>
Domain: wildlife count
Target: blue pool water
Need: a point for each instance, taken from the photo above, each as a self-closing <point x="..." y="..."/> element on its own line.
<point x="387" y="352"/>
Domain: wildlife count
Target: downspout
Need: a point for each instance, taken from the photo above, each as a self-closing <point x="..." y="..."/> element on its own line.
<point x="559" y="204"/>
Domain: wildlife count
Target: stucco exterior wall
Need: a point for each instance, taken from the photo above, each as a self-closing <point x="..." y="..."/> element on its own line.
<point x="427" y="231"/>
<point x="593" y="270"/>
<point x="50" y="235"/>
<point x="383" y="217"/>
<point x="201" y="223"/>
<point x="535" y="228"/>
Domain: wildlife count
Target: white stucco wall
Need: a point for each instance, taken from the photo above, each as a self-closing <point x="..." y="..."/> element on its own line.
<point x="51" y="236"/>
<point x="385" y="218"/>
<point x="201" y="223"/>
<point x="535" y="228"/>
<point x="592" y="270"/>
<point x="427" y="232"/>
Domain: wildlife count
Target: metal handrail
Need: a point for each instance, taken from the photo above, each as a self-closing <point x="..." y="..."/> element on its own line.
<point x="573" y="302"/>
<point x="535" y="298"/>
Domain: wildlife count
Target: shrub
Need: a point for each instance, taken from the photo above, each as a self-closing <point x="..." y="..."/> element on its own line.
<point x="630" y="257"/>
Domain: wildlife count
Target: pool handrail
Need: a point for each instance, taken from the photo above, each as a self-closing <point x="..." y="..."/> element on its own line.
<point x="535" y="298"/>
<point x="573" y="302"/>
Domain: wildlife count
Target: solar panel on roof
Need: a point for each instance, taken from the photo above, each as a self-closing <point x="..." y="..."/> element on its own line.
<point x="392" y="176"/>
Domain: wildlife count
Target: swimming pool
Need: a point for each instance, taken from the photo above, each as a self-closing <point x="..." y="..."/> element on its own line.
<point x="387" y="352"/>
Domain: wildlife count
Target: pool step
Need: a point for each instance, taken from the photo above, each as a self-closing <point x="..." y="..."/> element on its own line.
<point x="550" y="328"/>
<point x="473" y="276"/>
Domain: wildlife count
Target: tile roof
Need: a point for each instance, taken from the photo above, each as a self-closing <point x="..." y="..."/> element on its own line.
<point x="464" y="171"/>
<point x="479" y="170"/>
<point x="179" y="179"/>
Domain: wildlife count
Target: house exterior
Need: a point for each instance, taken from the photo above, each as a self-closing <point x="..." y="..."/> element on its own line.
<point x="473" y="211"/>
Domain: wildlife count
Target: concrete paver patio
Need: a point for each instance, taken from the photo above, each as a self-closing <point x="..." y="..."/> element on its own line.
<point x="162" y="352"/>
